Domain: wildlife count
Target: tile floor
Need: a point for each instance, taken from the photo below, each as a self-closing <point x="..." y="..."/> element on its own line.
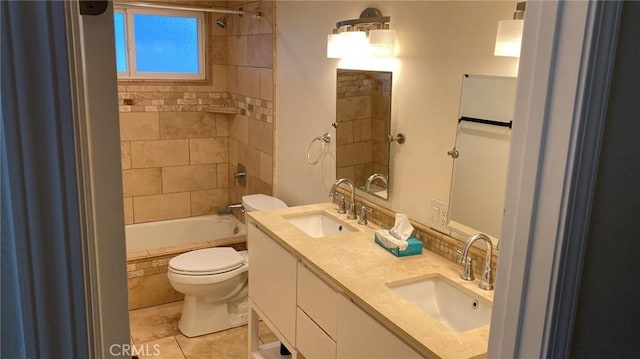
<point x="159" y="325"/>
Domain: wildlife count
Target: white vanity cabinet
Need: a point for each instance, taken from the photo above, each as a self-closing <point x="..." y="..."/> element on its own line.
<point x="272" y="282"/>
<point x="311" y="317"/>
<point x="360" y="336"/>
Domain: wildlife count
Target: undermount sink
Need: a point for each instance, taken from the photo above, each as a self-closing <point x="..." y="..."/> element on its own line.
<point x="319" y="224"/>
<point x="444" y="300"/>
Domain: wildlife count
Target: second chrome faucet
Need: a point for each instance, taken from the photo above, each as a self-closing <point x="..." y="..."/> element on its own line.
<point x="351" y="213"/>
<point x="486" y="282"/>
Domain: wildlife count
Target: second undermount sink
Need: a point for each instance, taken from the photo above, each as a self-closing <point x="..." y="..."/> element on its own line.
<point x="319" y="224"/>
<point x="447" y="302"/>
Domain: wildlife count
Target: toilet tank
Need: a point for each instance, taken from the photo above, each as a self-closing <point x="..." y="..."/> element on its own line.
<point x="261" y="202"/>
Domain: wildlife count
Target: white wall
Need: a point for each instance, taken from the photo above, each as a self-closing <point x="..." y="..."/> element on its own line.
<point x="437" y="43"/>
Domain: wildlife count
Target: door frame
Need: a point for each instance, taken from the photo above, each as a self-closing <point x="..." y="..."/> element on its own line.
<point x="553" y="86"/>
<point x="563" y="85"/>
<point x="96" y="119"/>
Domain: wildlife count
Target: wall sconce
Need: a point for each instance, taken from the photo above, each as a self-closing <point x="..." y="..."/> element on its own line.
<point x="369" y="35"/>
<point x="509" y="36"/>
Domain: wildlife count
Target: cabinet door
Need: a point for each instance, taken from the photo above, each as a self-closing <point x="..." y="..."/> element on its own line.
<point x="312" y="341"/>
<point x="272" y="281"/>
<point x="361" y="337"/>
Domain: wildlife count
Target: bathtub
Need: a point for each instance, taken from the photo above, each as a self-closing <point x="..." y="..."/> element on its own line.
<point x="151" y="245"/>
<point x="178" y="232"/>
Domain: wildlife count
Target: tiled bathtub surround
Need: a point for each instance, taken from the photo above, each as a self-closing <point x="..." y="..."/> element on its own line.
<point x="174" y="164"/>
<point x="434" y="241"/>
<point x="250" y="88"/>
<point x="175" y="156"/>
<point x="147" y="271"/>
<point x="251" y="143"/>
<point x="178" y="157"/>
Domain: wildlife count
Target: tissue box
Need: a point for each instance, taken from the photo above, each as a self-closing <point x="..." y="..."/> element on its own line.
<point x="415" y="247"/>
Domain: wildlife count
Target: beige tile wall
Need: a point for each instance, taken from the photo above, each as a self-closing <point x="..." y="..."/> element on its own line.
<point x="250" y="87"/>
<point x="174" y="164"/>
<point x="178" y="159"/>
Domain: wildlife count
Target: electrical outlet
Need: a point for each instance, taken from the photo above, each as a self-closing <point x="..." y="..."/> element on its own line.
<point x="442" y="220"/>
<point x="440" y="215"/>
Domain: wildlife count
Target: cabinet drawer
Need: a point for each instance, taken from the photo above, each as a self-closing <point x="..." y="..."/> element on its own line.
<point x="318" y="300"/>
<point x="311" y="341"/>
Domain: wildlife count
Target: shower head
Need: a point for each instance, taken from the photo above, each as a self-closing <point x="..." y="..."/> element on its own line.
<point x="222" y="21"/>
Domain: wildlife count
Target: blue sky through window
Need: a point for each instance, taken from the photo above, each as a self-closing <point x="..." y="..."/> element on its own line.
<point x="166" y="43"/>
<point x="121" y="45"/>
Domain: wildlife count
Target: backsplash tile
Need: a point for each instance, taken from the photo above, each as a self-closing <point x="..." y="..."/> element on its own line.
<point x="432" y="240"/>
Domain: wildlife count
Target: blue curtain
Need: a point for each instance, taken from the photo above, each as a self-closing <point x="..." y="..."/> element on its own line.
<point x="43" y="307"/>
<point x="11" y="339"/>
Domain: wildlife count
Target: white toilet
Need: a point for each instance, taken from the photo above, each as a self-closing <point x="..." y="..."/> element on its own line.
<point x="214" y="281"/>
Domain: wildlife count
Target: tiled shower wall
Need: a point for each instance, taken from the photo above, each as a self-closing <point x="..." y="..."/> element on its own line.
<point x="250" y="87"/>
<point x="178" y="159"/>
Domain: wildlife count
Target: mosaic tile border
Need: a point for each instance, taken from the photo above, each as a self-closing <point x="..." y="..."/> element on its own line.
<point x="432" y="240"/>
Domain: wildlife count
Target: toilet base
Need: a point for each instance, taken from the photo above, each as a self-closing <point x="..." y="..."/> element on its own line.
<point x="219" y="316"/>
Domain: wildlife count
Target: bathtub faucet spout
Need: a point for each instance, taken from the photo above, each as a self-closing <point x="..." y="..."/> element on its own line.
<point x="236" y="206"/>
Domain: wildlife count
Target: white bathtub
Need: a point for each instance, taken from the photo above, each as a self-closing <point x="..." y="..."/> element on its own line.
<point x="176" y="232"/>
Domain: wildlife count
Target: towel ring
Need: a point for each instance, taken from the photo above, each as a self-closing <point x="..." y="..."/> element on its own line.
<point x="324" y="139"/>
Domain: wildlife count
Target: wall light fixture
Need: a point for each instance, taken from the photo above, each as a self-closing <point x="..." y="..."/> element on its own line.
<point x="368" y="35"/>
<point x="509" y="36"/>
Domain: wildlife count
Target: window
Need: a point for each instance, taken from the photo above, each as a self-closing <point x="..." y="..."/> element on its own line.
<point x="159" y="44"/>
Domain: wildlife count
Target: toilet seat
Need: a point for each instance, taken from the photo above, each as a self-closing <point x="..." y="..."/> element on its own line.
<point x="209" y="261"/>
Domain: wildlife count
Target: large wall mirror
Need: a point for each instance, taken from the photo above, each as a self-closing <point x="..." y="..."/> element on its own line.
<point x="363" y="116"/>
<point x="481" y="152"/>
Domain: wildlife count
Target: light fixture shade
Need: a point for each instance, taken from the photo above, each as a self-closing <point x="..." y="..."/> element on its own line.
<point x="354" y="44"/>
<point x="335" y="48"/>
<point x="382" y="42"/>
<point x="509" y="38"/>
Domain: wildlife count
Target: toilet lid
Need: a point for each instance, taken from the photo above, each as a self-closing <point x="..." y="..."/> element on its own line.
<point x="261" y="202"/>
<point x="207" y="261"/>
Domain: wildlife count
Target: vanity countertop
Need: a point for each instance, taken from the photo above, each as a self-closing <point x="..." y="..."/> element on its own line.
<point x="360" y="269"/>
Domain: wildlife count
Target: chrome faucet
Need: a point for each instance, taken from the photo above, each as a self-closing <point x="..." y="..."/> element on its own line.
<point x="486" y="282"/>
<point x="351" y="214"/>
<point x="363" y="215"/>
<point x="374" y="177"/>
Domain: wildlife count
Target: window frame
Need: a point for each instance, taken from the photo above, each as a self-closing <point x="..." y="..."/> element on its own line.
<point x="129" y="35"/>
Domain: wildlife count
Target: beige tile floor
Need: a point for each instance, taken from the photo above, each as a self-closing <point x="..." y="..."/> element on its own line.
<point x="157" y="328"/>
